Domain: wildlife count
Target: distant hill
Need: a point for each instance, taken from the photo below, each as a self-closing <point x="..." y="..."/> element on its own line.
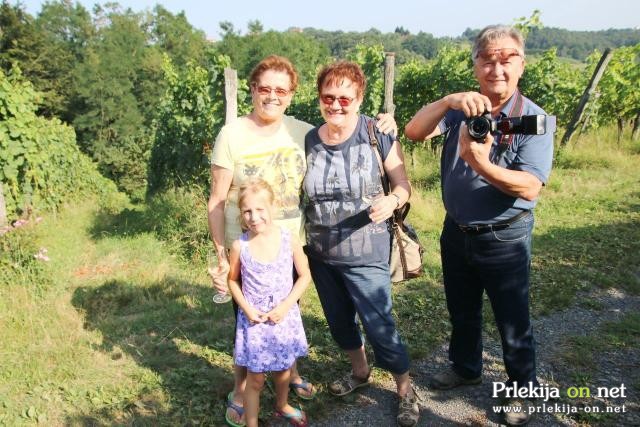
<point x="572" y="44"/>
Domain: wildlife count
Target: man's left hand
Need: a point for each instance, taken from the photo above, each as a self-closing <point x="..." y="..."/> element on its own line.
<point x="475" y="153"/>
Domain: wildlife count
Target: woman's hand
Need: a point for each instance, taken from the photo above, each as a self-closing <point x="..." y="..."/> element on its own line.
<point x="382" y="208"/>
<point x="219" y="276"/>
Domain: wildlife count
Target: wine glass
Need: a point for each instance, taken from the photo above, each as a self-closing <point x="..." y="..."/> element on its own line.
<point x="370" y="194"/>
<point x="215" y="272"/>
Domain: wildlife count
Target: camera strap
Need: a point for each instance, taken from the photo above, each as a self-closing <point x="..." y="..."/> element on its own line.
<point x="516" y="110"/>
<point x="506" y="140"/>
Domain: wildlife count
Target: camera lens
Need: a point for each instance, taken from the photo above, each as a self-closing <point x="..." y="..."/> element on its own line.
<point x="478" y="127"/>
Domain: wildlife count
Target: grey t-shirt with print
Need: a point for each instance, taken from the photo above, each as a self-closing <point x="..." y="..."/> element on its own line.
<point x="339" y="184"/>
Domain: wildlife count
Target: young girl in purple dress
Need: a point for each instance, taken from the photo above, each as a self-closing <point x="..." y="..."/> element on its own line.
<point x="269" y="333"/>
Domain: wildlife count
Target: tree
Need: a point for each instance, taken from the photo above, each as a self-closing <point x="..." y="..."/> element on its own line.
<point x="119" y="84"/>
<point x="255" y="28"/>
<point x="19" y="41"/>
<point x="245" y="52"/>
<point x="46" y="49"/>
<point x="524" y="24"/>
<point x="189" y="117"/>
<point x="66" y="29"/>
<point x="423" y="44"/>
<point x="554" y="85"/>
<point x="227" y="29"/>
<point x="174" y="35"/>
<point x="419" y="83"/>
<point x="40" y="164"/>
<point x="619" y="99"/>
<point x="371" y="59"/>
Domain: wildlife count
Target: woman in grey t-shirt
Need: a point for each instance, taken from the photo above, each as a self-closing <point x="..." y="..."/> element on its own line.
<point x="348" y="239"/>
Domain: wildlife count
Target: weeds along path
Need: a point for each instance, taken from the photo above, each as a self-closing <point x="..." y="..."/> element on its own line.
<point x="121" y="330"/>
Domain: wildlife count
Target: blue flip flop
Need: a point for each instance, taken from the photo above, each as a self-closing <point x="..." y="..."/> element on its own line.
<point x="304" y="385"/>
<point x="239" y="410"/>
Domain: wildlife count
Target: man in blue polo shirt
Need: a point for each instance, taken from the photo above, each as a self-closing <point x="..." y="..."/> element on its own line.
<point x="489" y="189"/>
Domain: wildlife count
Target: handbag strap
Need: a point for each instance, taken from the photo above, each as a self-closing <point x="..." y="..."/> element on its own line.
<point x="397" y="219"/>
<point x="376" y="150"/>
<point x="400" y="213"/>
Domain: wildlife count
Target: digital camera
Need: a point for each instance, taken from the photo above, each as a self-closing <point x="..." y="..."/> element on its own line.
<point x="537" y="124"/>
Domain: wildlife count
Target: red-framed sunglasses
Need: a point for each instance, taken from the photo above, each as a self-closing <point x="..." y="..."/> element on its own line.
<point x="266" y="90"/>
<point x="344" y="101"/>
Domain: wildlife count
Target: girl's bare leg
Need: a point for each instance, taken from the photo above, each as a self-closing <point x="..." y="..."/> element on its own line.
<point x="255" y="383"/>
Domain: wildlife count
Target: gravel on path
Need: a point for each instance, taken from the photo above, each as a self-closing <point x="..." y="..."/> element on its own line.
<point x="472" y="405"/>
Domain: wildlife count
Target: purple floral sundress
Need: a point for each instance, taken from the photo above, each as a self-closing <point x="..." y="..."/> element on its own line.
<point x="265" y="347"/>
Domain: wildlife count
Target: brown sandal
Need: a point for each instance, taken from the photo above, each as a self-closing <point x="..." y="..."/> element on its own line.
<point x="347" y="384"/>
<point x="408" y="409"/>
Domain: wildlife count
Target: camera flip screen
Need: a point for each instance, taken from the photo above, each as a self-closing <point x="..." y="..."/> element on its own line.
<point x="537" y="124"/>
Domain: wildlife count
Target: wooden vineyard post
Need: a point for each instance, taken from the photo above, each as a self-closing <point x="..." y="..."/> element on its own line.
<point x="577" y="115"/>
<point x="389" y="65"/>
<point x="230" y="94"/>
<point x="3" y="209"/>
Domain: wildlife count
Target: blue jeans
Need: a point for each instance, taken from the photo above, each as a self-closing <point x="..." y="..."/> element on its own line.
<point x="497" y="262"/>
<point x="365" y="290"/>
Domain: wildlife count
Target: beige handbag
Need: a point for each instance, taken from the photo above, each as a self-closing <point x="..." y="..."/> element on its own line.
<point x="405" y="260"/>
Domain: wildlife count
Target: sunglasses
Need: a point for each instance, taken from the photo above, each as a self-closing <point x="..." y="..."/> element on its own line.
<point x="501" y="55"/>
<point x="266" y="90"/>
<point x="344" y="101"/>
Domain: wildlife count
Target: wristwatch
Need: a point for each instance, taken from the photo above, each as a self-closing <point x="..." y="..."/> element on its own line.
<point x="397" y="199"/>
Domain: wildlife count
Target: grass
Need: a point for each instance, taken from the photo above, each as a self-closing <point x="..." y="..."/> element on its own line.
<point x="587" y="223"/>
<point x="581" y="354"/>
<point x="581" y="351"/>
<point x="121" y="328"/>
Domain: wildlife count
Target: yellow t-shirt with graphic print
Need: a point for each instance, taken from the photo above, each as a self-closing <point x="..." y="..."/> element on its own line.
<point x="279" y="159"/>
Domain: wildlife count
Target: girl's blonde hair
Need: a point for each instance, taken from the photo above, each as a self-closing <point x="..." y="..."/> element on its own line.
<point x="254" y="186"/>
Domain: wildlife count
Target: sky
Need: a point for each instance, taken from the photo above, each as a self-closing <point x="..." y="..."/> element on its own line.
<point x="440" y="18"/>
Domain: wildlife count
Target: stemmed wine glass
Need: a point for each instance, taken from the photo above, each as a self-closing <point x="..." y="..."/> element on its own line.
<point x="370" y="194"/>
<point x="215" y="272"/>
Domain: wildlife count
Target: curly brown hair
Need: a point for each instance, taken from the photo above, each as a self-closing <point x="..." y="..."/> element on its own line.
<point x="275" y="63"/>
<point x="336" y="72"/>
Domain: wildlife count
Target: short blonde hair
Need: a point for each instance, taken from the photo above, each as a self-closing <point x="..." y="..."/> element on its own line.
<point x="254" y="186"/>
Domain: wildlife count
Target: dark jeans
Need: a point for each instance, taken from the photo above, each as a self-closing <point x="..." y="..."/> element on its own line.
<point x="497" y="262"/>
<point x="365" y="290"/>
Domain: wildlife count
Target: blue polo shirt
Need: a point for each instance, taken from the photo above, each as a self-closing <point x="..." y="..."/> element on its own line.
<point x="471" y="199"/>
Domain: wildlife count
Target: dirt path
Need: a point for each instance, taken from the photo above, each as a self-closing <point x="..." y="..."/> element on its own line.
<point x="376" y="406"/>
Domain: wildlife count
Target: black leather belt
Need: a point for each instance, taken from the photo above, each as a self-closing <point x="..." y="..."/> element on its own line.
<point x="485" y="228"/>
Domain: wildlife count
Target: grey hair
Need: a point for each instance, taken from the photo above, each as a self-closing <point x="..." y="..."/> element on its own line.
<point x="496" y="32"/>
